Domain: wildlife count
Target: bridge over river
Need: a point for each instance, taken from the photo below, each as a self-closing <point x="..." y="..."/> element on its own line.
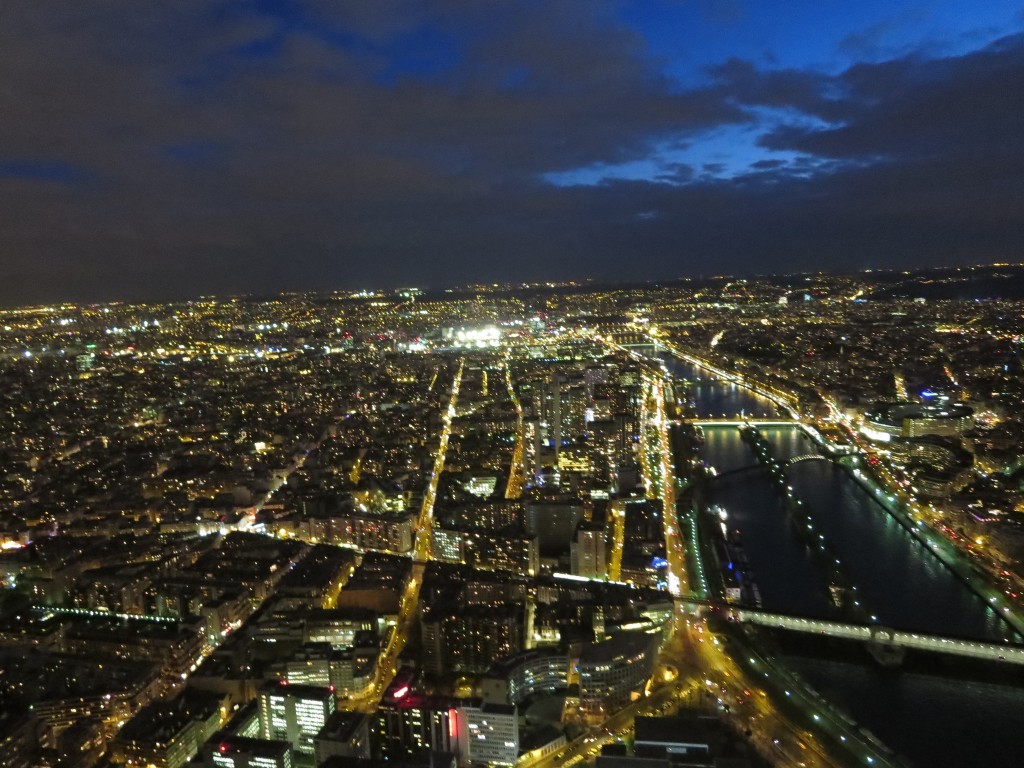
<point x="872" y="634"/>
<point x="785" y="463"/>
<point x="738" y="421"/>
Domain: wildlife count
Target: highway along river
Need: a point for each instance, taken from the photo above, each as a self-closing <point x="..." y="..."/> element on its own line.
<point x="920" y="712"/>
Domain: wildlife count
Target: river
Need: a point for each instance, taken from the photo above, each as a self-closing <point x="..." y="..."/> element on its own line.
<point x="897" y="579"/>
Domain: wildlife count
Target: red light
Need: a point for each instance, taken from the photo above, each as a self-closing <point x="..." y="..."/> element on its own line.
<point x="330" y="688"/>
<point x="453" y="724"/>
<point x="401" y="692"/>
<point x="284" y="682"/>
<point x="223" y="748"/>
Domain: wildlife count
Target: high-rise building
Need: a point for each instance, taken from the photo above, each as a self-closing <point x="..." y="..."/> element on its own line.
<point x="469" y="639"/>
<point x="553" y="520"/>
<point x="227" y="751"/>
<point x="294" y="713"/>
<point x="492" y="734"/>
<point x="590" y="552"/>
<point x="345" y="671"/>
<point x="410" y="725"/>
<point x="612" y="671"/>
<point x="347" y="734"/>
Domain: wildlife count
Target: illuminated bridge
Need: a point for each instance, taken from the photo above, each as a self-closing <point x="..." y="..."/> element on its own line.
<point x="872" y="634"/>
<point x="785" y="463"/>
<point x="737" y="421"/>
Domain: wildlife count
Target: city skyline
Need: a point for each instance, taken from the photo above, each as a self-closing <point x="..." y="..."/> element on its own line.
<point x="511" y="383"/>
<point x="258" y="147"/>
<point x="771" y="522"/>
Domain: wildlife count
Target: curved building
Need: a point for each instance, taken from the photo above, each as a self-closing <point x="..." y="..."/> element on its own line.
<point x="611" y="671"/>
<point x="526" y="674"/>
<point x="891" y="420"/>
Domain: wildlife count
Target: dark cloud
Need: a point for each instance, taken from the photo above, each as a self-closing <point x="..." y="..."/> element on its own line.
<point x="676" y="173"/>
<point x="873" y="41"/>
<point x="741" y="82"/>
<point x="173" y="149"/>
<point x="910" y="109"/>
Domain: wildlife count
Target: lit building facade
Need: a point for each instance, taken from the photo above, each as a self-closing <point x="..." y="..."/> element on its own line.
<point x="589" y="552"/>
<point x="409" y="724"/>
<point x="612" y="671"/>
<point x="294" y="713"/>
<point x="492" y="734"/>
<point x="524" y="675"/>
<point x="227" y="751"/>
<point x="887" y="421"/>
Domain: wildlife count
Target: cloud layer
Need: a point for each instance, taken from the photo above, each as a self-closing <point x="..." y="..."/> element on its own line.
<point x="162" y="150"/>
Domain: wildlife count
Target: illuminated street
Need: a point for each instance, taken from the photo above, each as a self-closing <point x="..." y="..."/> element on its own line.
<point x="387" y="663"/>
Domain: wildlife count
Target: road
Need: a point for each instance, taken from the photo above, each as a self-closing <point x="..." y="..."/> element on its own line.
<point x="617" y="524"/>
<point x="387" y="662"/>
<point x="589" y="743"/>
<point x="516" y="474"/>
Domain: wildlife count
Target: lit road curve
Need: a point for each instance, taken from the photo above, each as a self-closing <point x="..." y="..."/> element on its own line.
<point x="589" y="743"/>
<point x="774" y="733"/>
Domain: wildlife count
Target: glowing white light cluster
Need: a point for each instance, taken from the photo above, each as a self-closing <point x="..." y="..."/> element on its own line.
<point x="478" y="338"/>
<point x="875" y="434"/>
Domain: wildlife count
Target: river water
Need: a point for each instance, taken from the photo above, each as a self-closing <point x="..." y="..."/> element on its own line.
<point x="897" y="579"/>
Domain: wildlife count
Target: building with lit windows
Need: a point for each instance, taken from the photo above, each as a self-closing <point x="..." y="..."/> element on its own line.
<point x="492" y="734"/>
<point x="345" y="671"/>
<point x="589" y="551"/>
<point x="524" y="675"/>
<point x="887" y="421"/>
<point x="366" y="530"/>
<point x="468" y="639"/>
<point x="168" y="734"/>
<point x="446" y="545"/>
<point x="611" y="672"/>
<point x="503" y="551"/>
<point x="227" y="751"/>
<point x="509" y="550"/>
<point x="485" y="515"/>
<point x="410" y="725"/>
<point x="294" y="713"/>
<point x="346" y="735"/>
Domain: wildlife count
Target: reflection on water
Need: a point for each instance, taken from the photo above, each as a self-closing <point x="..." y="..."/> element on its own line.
<point x="715" y="398"/>
<point x="898" y="579"/>
<point x="934" y="721"/>
<point x="787" y="578"/>
<point x="930" y="719"/>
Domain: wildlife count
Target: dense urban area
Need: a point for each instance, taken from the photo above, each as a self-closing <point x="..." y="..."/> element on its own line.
<point x="719" y="522"/>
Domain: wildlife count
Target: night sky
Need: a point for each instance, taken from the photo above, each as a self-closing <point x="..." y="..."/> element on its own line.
<point x="170" y="148"/>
